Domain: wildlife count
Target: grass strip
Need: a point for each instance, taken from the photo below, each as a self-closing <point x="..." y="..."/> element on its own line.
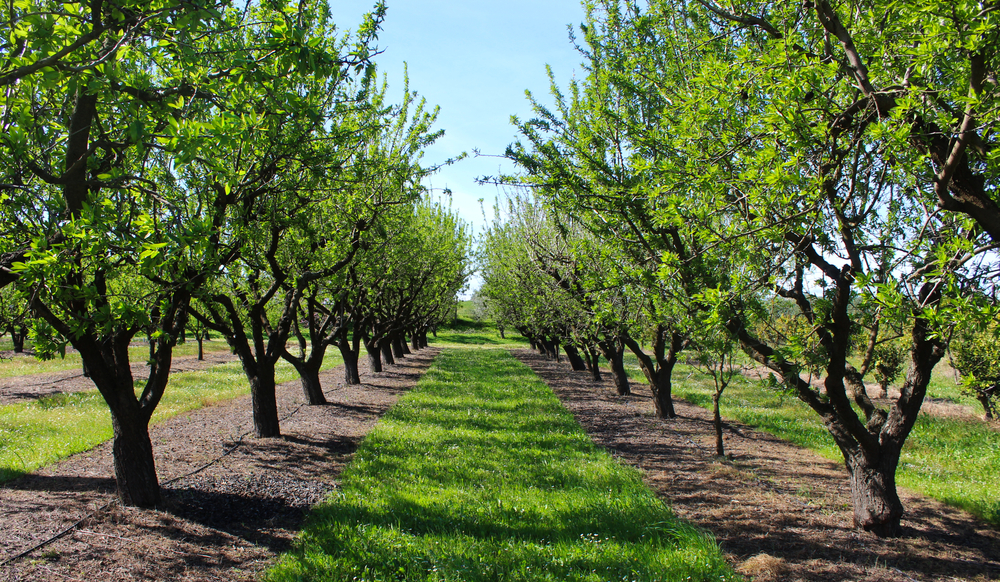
<point x="953" y="460"/>
<point x="38" y="433"/>
<point x="480" y="474"/>
<point x="25" y="364"/>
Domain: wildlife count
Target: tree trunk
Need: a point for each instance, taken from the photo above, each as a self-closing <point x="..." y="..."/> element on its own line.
<point x="552" y="349"/>
<point x="201" y="347"/>
<point x="265" y="407"/>
<point x="350" y="357"/>
<point x="415" y="341"/>
<point x="663" y="399"/>
<point x="985" y="398"/>
<point x="385" y="346"/>
<point x="18" y="339"/>
<point x="877" y="508"/>
<point x="423" y="338"/>
<point x="86" y="370"/>
<point x="374" y="356"/>
<point x="614" y="352"/>
<point x="397" y="348"/>
<point x="593" y="361"/>
<point x="659" y="368"/>
<point x="717" y="419"/>
<point x="573" y="355"/>
<point x="405" y="349"/>
<point x="135" y="469"/>
<point x="311" y="387"/>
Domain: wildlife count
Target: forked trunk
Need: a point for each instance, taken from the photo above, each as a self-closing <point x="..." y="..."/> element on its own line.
<point x="573" y="355"/>
<point x="659" y="368"/>
<point x="135" y="470"/>
<point x="877" y="508"/>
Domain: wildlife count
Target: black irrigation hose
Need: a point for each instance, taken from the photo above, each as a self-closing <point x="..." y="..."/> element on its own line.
<point x="42" y="544"/>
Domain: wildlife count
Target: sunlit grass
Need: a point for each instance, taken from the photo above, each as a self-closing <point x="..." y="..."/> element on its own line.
<point x="466" y="332"/>
<point x="480" y="474"/>
<point x="35" y="434"/>
<point x="953" y="460"/>
<point x="25" y="364"/>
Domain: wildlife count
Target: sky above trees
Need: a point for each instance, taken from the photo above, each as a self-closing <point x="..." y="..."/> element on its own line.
<point x="474" y="60"/>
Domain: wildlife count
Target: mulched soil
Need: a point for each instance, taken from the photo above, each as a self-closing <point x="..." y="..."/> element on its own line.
<point x="779" y="512"/>
<point x="30" y="387"/>
<point x="231" y="502"/>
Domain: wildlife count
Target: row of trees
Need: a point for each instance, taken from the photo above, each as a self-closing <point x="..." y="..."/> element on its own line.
<point x="718" y="160"/>
<point x="229" y="166"/>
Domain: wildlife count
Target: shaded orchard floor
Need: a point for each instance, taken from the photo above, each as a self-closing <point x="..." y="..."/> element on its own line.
<point x="780" y="512"/>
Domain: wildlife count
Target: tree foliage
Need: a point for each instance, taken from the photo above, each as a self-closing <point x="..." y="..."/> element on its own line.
<point x="837" y="158"/>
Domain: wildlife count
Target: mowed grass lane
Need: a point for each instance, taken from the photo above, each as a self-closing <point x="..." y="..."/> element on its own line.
<point x="481" y="474"/>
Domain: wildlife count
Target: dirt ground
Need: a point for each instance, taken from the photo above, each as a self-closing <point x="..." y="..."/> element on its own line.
<point x="231" y="502"/>
<point x="33" y="386"/>
<point x="778" y="511"/>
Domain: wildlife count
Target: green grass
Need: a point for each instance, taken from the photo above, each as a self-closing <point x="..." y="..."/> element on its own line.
<point x="24" y="365"/>
<point x="35" y="434"/>
<point x="466" y="332"/>
<point x="950" y="459"/>
<point x="480" y="474"/>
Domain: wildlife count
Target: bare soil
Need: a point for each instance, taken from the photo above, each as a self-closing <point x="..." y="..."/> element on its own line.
<point x="231" y="503"/>
<point x="779" y="512"/>
<point x="34" y="386"/>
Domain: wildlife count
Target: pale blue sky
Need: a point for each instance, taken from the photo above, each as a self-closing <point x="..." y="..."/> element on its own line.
<point x="474" y="59"/>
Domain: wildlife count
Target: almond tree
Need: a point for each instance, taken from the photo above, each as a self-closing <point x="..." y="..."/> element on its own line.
<point x="113" y="221"/>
